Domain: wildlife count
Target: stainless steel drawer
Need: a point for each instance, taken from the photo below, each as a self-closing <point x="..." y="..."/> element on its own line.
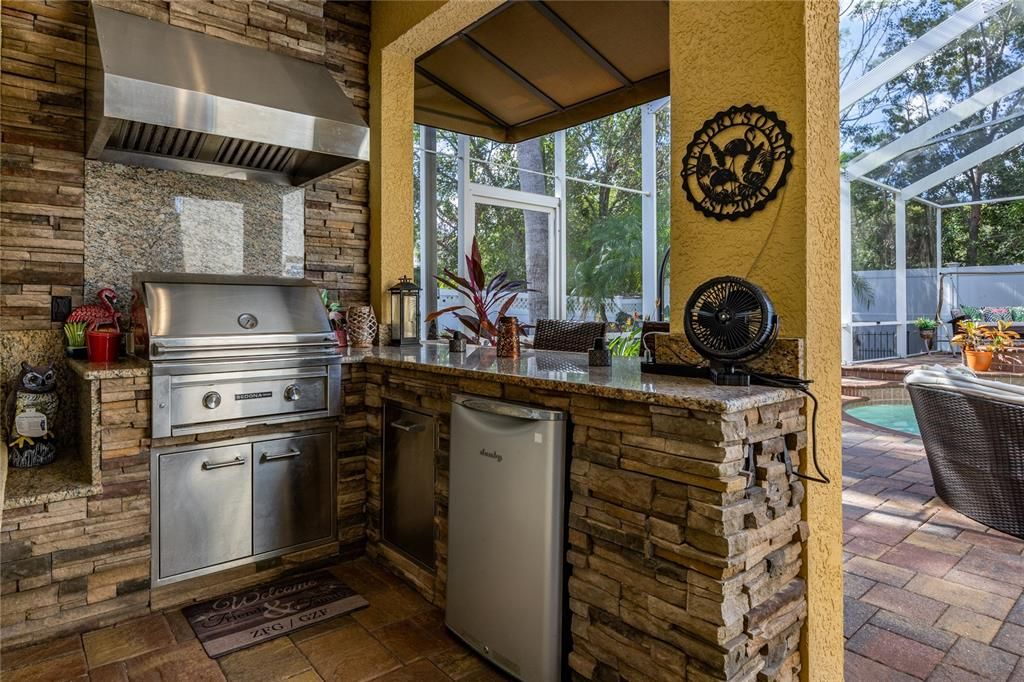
<point x="205" y="508"/>
<point x="408" y="483"/>
<point x="293" y="500"/>
<point x="201" y="399"/>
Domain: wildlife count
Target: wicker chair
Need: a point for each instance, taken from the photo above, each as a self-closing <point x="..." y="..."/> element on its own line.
<point x="567" y="335"/>
<point x="975" y="448"/>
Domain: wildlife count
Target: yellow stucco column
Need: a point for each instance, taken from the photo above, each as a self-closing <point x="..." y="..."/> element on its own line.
<point x="399" y="32"/>
<point x="783" y="56"/>
<point x="779" y="54"/>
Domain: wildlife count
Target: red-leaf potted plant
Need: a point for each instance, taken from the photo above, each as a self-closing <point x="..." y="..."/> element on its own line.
<point x="490" y="299"/>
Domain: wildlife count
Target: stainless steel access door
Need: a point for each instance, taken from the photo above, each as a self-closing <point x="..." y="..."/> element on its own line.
<point x="408" y="483"/>
<point x="205" y="508"/>
<point x="506" y="530"/>
<point x="293" y="501"/>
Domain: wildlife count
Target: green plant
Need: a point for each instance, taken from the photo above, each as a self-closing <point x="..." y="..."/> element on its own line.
<point x="335" y="313"/>
<point x="972" y="336"/>
<point x="628" y="343"/>
<point x="75" y="334"/>
<point x="925" y="324"/>
<point x="1001" y="335"/>
<point x="490" y="299"/>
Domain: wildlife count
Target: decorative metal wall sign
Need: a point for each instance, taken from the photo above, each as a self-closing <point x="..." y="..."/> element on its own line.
<point x="737" y="162"/>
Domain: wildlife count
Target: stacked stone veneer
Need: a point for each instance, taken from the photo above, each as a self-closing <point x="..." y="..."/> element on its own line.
<point x="677" y="569"/>
<point x="80" y="563"/>
<point x="42" y="200"/>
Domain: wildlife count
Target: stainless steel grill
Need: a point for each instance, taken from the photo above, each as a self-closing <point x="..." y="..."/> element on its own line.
<point x="233" y="351"/>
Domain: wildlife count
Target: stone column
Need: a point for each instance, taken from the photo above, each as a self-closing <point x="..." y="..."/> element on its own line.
<point x="781" y="55"/>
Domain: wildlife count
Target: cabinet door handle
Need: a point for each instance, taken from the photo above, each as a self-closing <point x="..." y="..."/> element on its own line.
<point x="267" y="457"/>
<point x="237" y="461"/>
<point x="408" y="427"/>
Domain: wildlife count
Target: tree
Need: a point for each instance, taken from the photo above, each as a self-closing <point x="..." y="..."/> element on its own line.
<point x="531" y="167"/>
<point x="876" y="29"/>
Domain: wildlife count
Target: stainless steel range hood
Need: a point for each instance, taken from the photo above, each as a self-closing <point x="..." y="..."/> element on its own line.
<point x="167" y="97"/>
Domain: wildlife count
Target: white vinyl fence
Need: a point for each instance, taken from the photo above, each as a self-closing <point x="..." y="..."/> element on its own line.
<point x="996" y="286"/>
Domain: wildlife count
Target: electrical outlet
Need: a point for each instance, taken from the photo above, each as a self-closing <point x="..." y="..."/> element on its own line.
<point x="60" y="308"/>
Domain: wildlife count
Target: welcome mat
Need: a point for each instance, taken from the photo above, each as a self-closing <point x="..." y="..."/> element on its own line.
<point x="263" y="613"/>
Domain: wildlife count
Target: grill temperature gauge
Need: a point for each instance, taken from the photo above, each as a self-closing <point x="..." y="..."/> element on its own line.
<point x="211" y="400"/>
<point x="292" y="393"/>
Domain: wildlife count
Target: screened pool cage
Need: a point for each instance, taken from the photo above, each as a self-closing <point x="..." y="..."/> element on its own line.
<point x="462" y="191"/>
<point x="893" y="198"/>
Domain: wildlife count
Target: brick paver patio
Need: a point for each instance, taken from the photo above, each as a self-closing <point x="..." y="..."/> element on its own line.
<point x="929" y="593"/>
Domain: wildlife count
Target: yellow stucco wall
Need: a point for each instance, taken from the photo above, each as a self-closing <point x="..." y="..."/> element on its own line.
<point x="399" y="31"/>
<point x="783" y="56"/>
<point x="778" y="53"/>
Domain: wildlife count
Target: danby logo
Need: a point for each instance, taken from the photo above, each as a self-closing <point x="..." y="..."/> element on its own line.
<point x="490" y="454"/>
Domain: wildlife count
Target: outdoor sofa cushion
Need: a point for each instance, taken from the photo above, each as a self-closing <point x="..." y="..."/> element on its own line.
<point x="963" y="380"/>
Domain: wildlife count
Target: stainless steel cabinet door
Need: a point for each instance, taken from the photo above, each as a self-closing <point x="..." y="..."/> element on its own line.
<point x="408" y="486"/>
<point x="205" y="508"/>
<point x="293" y="500"/>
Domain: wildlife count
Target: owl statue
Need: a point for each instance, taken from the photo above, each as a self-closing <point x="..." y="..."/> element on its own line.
<point x="32" y="408"/>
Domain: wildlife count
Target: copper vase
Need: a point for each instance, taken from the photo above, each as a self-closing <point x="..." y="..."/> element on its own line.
<point x="508" y="337"/>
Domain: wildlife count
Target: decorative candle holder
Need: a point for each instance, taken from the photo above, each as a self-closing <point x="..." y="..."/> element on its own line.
<point x="508" y="337"/>
<point x="457" y="344"/>
<point x="362" y="326"/>
<point x="599" y="355"/>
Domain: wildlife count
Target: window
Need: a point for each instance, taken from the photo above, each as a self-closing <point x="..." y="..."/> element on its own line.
<point x="582" y="215"/>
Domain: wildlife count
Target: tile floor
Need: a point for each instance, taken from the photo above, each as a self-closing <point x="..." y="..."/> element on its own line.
<point x="398" y="638"/>
<point x="929" y="593"/>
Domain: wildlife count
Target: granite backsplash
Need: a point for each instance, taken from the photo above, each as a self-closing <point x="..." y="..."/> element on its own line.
<point x="143" y="219"/>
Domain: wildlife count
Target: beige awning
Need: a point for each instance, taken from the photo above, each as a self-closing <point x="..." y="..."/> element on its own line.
<point x="530" y="68"/>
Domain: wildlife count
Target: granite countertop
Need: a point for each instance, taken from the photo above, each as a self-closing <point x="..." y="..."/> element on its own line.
<point x="555" y="370"/>
<point x="551" y="370"/>
<point x="121" y="369"/>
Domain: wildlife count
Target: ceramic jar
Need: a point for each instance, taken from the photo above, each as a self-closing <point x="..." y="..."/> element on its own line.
<point x="362" y="326"/>
<point x="508" y="337"/>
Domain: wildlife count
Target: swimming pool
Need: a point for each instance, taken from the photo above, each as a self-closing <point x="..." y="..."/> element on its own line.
<point x="888" y="415"/>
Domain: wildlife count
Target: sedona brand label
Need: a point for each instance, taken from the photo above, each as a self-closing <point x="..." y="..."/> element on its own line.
<point x="253" y="396"/>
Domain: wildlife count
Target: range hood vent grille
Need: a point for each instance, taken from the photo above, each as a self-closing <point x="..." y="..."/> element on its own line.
<point x="132" y="136"/>
<point x="168" y="97"/>
<point x="271" y="157"/>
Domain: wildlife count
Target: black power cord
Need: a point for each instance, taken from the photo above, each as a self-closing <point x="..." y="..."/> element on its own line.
<point x="798" y="384"/>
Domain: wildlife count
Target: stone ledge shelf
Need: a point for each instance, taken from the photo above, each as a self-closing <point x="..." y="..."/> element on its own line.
<point x="77" y="474"/>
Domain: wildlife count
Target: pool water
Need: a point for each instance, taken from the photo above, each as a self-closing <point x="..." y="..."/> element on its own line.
<point x="895" y="416"/>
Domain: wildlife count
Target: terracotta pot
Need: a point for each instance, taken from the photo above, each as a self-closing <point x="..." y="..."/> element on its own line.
<point x="103" y="345"/>
<point x="978" y="360"/>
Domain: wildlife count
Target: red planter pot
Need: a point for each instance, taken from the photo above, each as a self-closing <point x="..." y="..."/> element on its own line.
<point x="103" y="345"/>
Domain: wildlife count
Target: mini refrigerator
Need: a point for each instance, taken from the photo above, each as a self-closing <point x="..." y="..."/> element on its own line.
<point x="506" y="534"/>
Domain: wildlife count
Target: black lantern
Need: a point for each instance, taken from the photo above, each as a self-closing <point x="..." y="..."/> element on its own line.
<point x="405" y="313"/>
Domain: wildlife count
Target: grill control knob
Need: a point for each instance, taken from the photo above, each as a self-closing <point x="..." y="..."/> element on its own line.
<point x="211" y="400"/>
<point x="292" y="393"/>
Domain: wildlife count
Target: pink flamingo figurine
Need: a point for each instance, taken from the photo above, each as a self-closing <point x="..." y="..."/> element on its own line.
<point x="96" y="314"/>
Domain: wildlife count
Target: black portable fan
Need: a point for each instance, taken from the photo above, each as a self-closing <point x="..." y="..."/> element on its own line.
<point x="729" y="321"/>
